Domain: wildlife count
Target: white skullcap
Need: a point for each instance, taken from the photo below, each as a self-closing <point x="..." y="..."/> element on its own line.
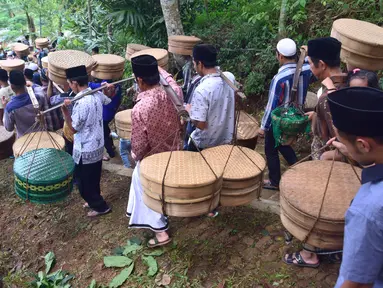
<point x="287" y="47"/>
<point x="33" y="66"/>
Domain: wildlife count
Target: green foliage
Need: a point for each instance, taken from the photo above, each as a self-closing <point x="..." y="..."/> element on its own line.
<point x="117" y="261"/>
<point x="152" y="265"/>
<point x="122" y="277"/>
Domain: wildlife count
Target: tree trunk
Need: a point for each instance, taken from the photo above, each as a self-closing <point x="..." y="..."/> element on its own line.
<point x="60" y="25"/>
<point x="282" y="20"/>
<point x="110" y="37"/>
<point x="172" y="17"/>
<point x="31" y="27"/>
<point x="90" y="18"/>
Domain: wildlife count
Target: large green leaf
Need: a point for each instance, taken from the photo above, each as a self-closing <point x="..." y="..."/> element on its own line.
<point x="131" y="249"/>
<point x="157" y="252"/>
<point x="50" y="260"/>
<point x="152" y="264"/>
<point x="117" y="261"/>
<point x="93" y="284"/>
<point x="122" y="277"/>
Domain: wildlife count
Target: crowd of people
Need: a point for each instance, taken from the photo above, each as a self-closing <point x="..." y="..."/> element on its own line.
<point x="347" y="116"/>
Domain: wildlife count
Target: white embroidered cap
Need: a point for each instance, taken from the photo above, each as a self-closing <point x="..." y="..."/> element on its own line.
<point x="33" y="66"/>
<point x="287" y="47"/>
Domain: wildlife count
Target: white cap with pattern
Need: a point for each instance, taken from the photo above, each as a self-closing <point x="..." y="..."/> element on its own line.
<point x="287" y="47"/>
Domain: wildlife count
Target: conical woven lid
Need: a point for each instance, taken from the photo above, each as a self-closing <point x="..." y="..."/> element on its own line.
<point x="137" y="47"/>
<point x="304" y="185"/>
<point x="59" y="61"/>
<point x="243" y="164"/>
<point x="186" y="169"/>
<point x="124" y="116"/>
<point x="159" y="54"/>
<point x="42" y="41"/>
<point x="13" y="64"/>
<point x="247" y="126"/>
<point x="20" y="47"/>
<point x="184" y="39"/>
<point x="109" y="60"/>
<point x="4" y="134"/>
<point x="35" y="140"/>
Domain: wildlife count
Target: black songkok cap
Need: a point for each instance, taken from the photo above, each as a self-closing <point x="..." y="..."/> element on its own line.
<point x="325" y="49"/>
<point x="3" y="75"/>
<point x="145" y="66"/>
<point x="76" y="72"/>
<point x="205" y="53"/>
<point x="16" y="77"/>
<point x="28" y="73"/>
<point x="357" y="111"/>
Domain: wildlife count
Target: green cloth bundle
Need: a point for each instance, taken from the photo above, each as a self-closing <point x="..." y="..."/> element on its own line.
<point x="288" y="123"/>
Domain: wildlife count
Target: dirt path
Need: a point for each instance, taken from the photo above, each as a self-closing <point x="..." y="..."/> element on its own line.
<point x="240" y="248"/>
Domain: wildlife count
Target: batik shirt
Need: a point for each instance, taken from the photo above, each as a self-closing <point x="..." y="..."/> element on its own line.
<point x="155" y="122"/>
<point x="87" y="121"/>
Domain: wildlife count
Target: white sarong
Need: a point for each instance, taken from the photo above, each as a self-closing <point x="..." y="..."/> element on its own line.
<point x="141" y="216"/>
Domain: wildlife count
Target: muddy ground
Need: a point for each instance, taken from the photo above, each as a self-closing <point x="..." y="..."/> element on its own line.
<point x="242" y="247"/>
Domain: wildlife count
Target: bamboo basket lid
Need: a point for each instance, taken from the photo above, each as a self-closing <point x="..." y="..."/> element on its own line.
<point x="108" y="75"/>
<point x="20" y="48"/>
<point x="5" y="135"/>
<point x="243" y="164"/>
<point x="247" y="126"/>
<point x="108" y="61"/>
<point x="13" y="64"/>
<point x="359" y="37"/>
<point x="30" y="142"/>
<point x="133" y="48"/>
<point x="124" y="116"/>
<point x="182" y="44"/>
<point x="186" y="169"/>
<point x="42" y="42"/>
<point x="302" y="187"/>
<point x="44" y="62"/>
<point x="161" y="55"/>
<point x="59" y="61"/>
<point x="354" y="60"/>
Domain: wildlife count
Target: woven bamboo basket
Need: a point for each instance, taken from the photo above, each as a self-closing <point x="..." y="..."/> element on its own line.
<point x="190" y="187"/>
<point x="362" y="43"/>
<point x="311" y="101"/>
<point x="59" y="61"/>
<point x="33" y="141"/>
<point x="123" y="120"/>
<point x="161" y="55"/>
<point x="302" y="189"/>
<point x="182" y="45"/>
<point x="13" y="64"/>
<point x="44" y="62"/>
<point x="44" y="176"/>
<point x="247" y="131"/>
<point x="6" y="141"/>
<point x="243" y="175"/>
<point x="133" y="48"/>
<point x="42" y="43"/>
<point x="108" y="67"/>
<point x="20" y="49"/>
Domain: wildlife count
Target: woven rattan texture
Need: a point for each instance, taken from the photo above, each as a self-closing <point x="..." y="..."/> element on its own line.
<point x="20" y="47"/>
<point x="44" y="166"/>
<point x="44" y="62"/>
<point x="109" y="60"/>
<point x="247" y="126"/>
<point x="124" y="117"/>
<point x="70" y="58"/>
<point x="184" y="39"/>
<point x="360" y="31"/>
<point x="13" y="64"/>
<point x="160" y="54"/>
<point x="41" y="41"/>
<point x="29" y="142"/>
<point x="186" y="169"/>
<point x="4" y="134"/>
<point x="304" y="185"/>
<point x="239" y="167"/>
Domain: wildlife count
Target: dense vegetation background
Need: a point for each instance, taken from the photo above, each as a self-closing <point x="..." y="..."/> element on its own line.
<point x="245" y="31"/>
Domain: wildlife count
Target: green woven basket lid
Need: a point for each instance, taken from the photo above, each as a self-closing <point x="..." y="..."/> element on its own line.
<point x="48" y="166"/>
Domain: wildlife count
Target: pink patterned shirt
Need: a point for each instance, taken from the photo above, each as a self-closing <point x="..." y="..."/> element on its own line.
<point x="154" y="120"/>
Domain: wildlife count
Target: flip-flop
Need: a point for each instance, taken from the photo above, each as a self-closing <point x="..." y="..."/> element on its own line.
<point x="300" y="262"/>
<point x="157" y="243"/>
<point x="267" y="185"/>
<point x="215" y="214"/>
<point x="94" y="213"/>
<point x="86" y="205"/>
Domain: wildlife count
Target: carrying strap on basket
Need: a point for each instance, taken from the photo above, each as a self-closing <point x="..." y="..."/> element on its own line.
<point x="297" y="74"/>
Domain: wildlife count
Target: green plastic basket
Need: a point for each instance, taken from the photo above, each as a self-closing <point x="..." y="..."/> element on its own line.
<point x="44" y="176"/>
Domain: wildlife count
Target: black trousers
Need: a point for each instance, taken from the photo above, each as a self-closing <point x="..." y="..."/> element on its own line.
<point x="272" y="157"/>
<point x="108" y="141"/>
<point x="68" y="147"/>
<point x="88" y="178"/>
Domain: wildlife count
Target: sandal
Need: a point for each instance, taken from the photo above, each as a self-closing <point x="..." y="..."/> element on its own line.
<point x="299" y="259"/>
<point x="86" y="205"/>
<point x="94" y="213"/>
<point x="157" y="243"/>
<point x="267" y="185"/>
<point x="213" y="214"/>
<point x="105" y="158"/>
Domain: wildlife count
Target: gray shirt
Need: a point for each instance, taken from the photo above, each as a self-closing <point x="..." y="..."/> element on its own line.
<point x="363" y="239"/>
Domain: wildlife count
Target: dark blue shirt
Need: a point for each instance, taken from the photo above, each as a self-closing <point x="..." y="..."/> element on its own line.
<point x="363" y="236"/>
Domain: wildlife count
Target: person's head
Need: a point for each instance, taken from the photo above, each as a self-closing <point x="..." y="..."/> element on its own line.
<point x="44" y="76"/>
<point x="18" y="41"/>
<point x="77" y="78"/>
<point x="204" y="58"/>
<point x="324" y="56"/>
<point x="3" y="77"/>
<point x="145" y="69"/>
<point x="28" y="73"/>
<point x="17" y="80"/>
<point x="286" y="51"/>
<point x="33" y="66"/>
<point x="95" y="50"/>
<point x="362" y="78"/>
<point x="357" y="114"/>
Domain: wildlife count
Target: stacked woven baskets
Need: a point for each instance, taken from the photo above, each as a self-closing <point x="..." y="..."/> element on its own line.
<point x="44" y="62"/>
<point x="161" y="55"/>
<point x="59" y="61"/>
<point x="242" y="173"/>
<point x="182" y="45"/>
<point x="133" y="48"/>
<point x="13" y="64"/>
<point x="189" y="188"/>
<point x="302" y="190"/>
<point x="6" y="141"/>
<point x="33" y="141"/>
<point x="42" y="43"/>
<point x="21" y="49"/>
<point x="247" y="130"/>
<point x="362" y="43"/>
<point x="108" y="67"/>
<point x="123" y="122"/>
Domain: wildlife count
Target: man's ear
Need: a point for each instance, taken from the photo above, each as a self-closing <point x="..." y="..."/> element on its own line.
<point x="363" y="145"/>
